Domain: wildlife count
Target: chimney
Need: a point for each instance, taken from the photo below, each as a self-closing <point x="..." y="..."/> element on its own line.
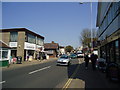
<point x="53" y="42"/>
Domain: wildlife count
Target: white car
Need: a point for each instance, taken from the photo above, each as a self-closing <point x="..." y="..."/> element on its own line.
<point x="63" y="60"/>
<point x="80" y="55"/>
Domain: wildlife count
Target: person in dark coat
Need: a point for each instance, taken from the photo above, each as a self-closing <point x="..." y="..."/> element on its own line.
<point x="86" y="58"/>
<point x="93" y="60"/>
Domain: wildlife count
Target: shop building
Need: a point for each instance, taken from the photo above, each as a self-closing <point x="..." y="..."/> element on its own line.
<point x="23" y="42"/>
<point x="61" y="50"/>
<point x="108" y="23"/>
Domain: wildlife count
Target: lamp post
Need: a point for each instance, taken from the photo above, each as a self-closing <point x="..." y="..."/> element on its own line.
<point x="90" y="24"/>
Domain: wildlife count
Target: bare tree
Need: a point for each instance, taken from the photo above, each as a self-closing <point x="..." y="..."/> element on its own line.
<point x="85" y="36"/>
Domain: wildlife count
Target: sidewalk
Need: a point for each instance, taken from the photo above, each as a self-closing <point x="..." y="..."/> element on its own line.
<point x="90" y="79"/>
<point x="27" y="63"/>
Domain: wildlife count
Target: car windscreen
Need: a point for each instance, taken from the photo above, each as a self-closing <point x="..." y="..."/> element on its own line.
<point x="65" y="57"/>
<point x="79" y="53"/>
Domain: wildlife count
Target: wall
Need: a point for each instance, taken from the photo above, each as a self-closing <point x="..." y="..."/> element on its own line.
<point x="20" y="46"/>
<point x="5" y="37"/>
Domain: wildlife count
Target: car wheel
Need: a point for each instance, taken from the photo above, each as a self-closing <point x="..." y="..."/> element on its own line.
<point x="68" y="64"/>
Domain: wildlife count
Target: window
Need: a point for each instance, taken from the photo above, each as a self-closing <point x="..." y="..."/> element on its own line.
<point x="4" y="54"/>
<point x="110" y="15"/>
<point x="103" y="52"/>
<point x="13" y="36"/>
<point x="0" y="55"/>
<point x="112" y="52"/>
<point x="117" y="54"/>
<point x="39" y="41"/>
<point x="30" y="38"/>
<point x="108" y="52"/>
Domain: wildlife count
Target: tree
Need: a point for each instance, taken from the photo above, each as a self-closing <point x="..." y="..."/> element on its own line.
<point x="68" y="48"/>
<point x="85" y="37"/>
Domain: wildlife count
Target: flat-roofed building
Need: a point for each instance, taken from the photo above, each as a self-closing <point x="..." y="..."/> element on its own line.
<point x="108" y="23"/>
<point x="23" y="42"/>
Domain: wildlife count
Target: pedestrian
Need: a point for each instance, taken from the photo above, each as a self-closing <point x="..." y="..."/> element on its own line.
<point x="86" y="59"/>
<point x="10" y="60"/>
<point x="93" y="60"/>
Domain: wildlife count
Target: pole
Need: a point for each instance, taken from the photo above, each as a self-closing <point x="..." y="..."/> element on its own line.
<point x="91" y="25"/>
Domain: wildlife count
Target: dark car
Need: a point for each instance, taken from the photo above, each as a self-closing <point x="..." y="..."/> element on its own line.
<point x="73" y="56"/>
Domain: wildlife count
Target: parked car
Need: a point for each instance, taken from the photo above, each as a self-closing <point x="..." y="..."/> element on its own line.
<point x="63" y="60"/>
<point x="73" y="56"/>
<point x="80" y="55"/>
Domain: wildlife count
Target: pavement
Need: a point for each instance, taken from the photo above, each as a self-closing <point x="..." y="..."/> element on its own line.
<point x="89" y="78"/>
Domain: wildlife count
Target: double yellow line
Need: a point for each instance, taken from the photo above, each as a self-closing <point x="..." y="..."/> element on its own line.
<point x="70" y="80"/>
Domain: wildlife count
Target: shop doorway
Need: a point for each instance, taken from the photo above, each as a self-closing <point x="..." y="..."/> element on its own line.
<point x="13" y="53"/>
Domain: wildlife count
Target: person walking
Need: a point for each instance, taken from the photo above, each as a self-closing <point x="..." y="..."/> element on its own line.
<point x="86" y="58"/>
<point x="93" y="60"/>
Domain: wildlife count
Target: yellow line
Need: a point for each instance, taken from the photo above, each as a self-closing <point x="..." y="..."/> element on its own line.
<point x="70" y="80"/>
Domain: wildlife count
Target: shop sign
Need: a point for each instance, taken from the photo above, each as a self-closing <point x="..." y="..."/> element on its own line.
<point x="13" y="44"/>
<point x="29" y="46"/>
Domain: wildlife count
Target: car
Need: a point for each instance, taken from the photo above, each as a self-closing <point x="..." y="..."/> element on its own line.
<point x="80" y="55"/>
<point x="73" y="56"/>
<point x="63" y="60"/>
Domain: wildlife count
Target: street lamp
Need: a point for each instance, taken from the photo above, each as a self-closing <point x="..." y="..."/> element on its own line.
<point x="90" y="23"/>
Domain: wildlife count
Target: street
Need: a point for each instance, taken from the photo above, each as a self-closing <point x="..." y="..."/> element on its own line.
<point x="48" y="75"/>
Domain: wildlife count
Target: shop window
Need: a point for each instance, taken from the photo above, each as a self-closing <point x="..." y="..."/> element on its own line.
<point x="0" y="55"/>
<point x="112" y="52"/>
<point x="108" y="53"/>
<point x="4" y="54"/>
<point x="117" y="54"/>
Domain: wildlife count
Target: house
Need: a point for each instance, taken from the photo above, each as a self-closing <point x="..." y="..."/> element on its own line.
<point x="61" y="50"/>
<point x="51" y="49"/>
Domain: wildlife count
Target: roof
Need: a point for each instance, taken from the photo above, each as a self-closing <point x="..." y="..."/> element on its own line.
<point x="3" y="45"/>
<point x="61" y="46"/>
<point x="51" y="46"/>
<point x="21" y="29"/>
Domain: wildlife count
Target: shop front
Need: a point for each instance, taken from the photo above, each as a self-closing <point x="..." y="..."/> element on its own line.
<point x="111" y="53"/>
<point x="4" y="54"/>
<point x="29" y="49"/>
<point x="33" y="51"/>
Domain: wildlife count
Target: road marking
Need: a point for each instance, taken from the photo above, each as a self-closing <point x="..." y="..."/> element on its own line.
<point x="39" y="70"/>
<point x="2" y="82"/>
<point x="70" y="80"/>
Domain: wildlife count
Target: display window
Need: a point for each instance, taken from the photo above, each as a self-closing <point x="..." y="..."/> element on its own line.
<point x="4" y="54"/>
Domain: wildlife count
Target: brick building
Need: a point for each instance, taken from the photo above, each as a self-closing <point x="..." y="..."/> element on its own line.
<point x="23" y="42"/>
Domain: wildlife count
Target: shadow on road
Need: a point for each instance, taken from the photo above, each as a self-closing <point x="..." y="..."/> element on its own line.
<point x="91" y="79"/>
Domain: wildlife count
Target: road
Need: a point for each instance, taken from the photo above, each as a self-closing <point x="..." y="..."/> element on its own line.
<point x="45" y="75"/>
<point x="48" y="75"/>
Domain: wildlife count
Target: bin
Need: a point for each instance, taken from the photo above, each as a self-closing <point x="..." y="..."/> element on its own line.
<point x="19" y="59"/>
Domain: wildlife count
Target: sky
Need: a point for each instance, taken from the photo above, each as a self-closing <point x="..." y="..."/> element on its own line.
<point x="60" y="22"/>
